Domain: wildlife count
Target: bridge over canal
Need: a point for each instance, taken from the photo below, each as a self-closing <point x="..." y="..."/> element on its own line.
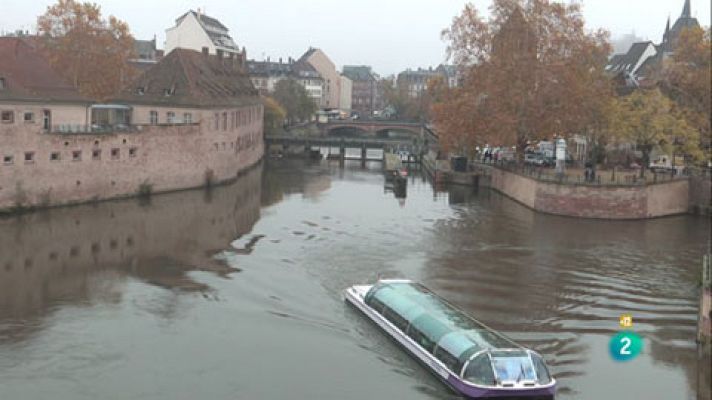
<point x="412" y="146"/>
<point x="373" y="128"/>
<point x="413" y="138"/>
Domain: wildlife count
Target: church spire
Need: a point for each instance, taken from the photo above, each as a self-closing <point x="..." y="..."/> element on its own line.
<point x="667" y="30"/>
<point x="686" y="10"/>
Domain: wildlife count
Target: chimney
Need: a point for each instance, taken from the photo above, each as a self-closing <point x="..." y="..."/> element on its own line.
<point x="219" y="54"/>
<point x="280" y="60"/>
<point x="205" y="51"/>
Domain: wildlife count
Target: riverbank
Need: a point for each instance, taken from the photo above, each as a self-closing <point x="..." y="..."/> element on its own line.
<point x="618" y="201"/>
<point x="158" y="159"/>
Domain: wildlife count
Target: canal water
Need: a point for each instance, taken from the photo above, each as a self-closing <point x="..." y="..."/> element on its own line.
<point x="235" y="293"/>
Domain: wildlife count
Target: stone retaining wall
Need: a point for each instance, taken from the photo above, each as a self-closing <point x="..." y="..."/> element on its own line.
<point x="701" y="194"/>
<point x="57" y="169"/>
<point x="588" y="201"/>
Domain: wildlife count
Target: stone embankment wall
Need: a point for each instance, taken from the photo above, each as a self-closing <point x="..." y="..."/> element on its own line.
<point x="588" y="201"/>
<point x="41" y="170"/>
<point x="701" y="194"/>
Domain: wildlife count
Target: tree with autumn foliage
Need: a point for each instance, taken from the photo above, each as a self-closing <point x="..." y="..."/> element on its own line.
<point x="687" y="80"/>
<point x="274" y="115"/>
<point x="89" y="51"/>
<point x="648" y="119"/>
<point x="295" y="100"/>
<point x="530" y="71"/>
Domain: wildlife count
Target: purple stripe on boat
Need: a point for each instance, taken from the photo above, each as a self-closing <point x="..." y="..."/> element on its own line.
<point x="479" y="393"/>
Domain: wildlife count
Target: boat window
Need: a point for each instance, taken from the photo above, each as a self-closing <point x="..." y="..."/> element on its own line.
<point x="431" y="328"/>
<point x="412" y="307"/>
<point x="513" y="366"/>
<point x="479" y="371"/>
<point x="465" y="356"/>
<point x="448" y="359"/>
<point x="420" y="338"/>
<point x="542" y="373"/>
<point x="375" y="303"/>
<point x="395" y="318"/>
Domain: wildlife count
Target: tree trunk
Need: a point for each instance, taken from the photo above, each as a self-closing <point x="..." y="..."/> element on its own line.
<point x="522" y="144"/>
<point x="646" y="160"/>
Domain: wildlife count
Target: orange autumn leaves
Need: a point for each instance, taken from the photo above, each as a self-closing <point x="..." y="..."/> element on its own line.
<point x="89" y="51"/>
<point x="530" y="71"/>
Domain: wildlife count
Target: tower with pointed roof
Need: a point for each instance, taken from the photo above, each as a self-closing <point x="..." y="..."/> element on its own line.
<point x="685" y="21"/>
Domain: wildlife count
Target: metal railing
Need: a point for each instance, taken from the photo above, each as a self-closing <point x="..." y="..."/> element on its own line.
<point x="578" y="176"/>
<point x="93" y="129"/>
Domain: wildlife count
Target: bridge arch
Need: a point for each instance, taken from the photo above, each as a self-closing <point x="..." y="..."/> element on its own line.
<point x="397" y="133"/>
<point x="347" y="131"/>
<point x="372" y="128"/>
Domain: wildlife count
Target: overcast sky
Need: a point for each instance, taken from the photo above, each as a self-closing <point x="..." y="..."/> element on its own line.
<point x="390" y="35"/>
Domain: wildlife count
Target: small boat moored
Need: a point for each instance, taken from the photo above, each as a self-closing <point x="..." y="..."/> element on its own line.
<point x="470" y="357"/>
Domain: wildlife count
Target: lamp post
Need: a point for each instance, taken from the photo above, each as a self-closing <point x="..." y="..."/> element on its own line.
<point x="560" y="156"/>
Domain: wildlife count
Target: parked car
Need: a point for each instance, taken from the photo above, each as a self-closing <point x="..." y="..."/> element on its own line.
<point x="534" y="158"/>
<point x="664" y="163"/>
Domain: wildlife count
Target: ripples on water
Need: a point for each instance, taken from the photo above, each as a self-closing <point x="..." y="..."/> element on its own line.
<point x="215" y="294"/>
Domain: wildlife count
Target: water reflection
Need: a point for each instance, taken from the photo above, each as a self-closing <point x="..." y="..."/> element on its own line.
<point x="84" y="254"/>
<point x="94" y="299"/>
<point x="559" y="284"/>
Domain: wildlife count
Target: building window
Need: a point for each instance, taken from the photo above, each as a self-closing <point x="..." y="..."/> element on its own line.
<point x="216" y="121"/>
<point x="3" y="85"/>
<point x="46" y="120"/>
<point x="55" y="156"/>
<point x="153" y="117"/>
<point x="187" y="118"/>
<point x="170" y="117"/>
<point x="8" y="117"/>
<point x="96" y="154"/>
<point x="132" y="152"/>
<point x="115" y="154"/>
<point x="30" y="157"/>
<point x="8" y="160"/>
<point x="28" y="117"/>
<point x="77" y="155"/>
<point x="224" y="121"/>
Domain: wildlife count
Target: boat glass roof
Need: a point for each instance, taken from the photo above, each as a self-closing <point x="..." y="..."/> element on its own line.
<point x="441" y="322"/>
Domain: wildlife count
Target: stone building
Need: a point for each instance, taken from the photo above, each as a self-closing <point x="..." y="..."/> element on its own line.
<point x="196" y="31"/>
<point x="192" y="119"/>
<point x="366" y="95"/>
<point x="346" y="93"/>
<point x="147" y="54"/>
<point x="450" y="74"/>
<point x="415" y="82"/>
<point x="309" y="77"/>
<point x="265" y="74"/>
<point x="331" y="95"/>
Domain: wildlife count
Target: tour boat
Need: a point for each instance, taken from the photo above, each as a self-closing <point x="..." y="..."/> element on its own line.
<point x="471" y="358"/>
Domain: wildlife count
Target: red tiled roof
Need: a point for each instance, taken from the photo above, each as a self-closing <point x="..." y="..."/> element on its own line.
<point x="192" y="79"/>
<point x="29" y="77"/>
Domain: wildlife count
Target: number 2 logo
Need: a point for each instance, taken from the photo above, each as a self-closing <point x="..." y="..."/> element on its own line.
<point x="625" y="346"/>
<point x="626" y="342"/>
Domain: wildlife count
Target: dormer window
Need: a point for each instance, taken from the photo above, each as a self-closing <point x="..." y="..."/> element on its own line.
<point x="170" y="91"/>
<point x="140" y="90"/>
